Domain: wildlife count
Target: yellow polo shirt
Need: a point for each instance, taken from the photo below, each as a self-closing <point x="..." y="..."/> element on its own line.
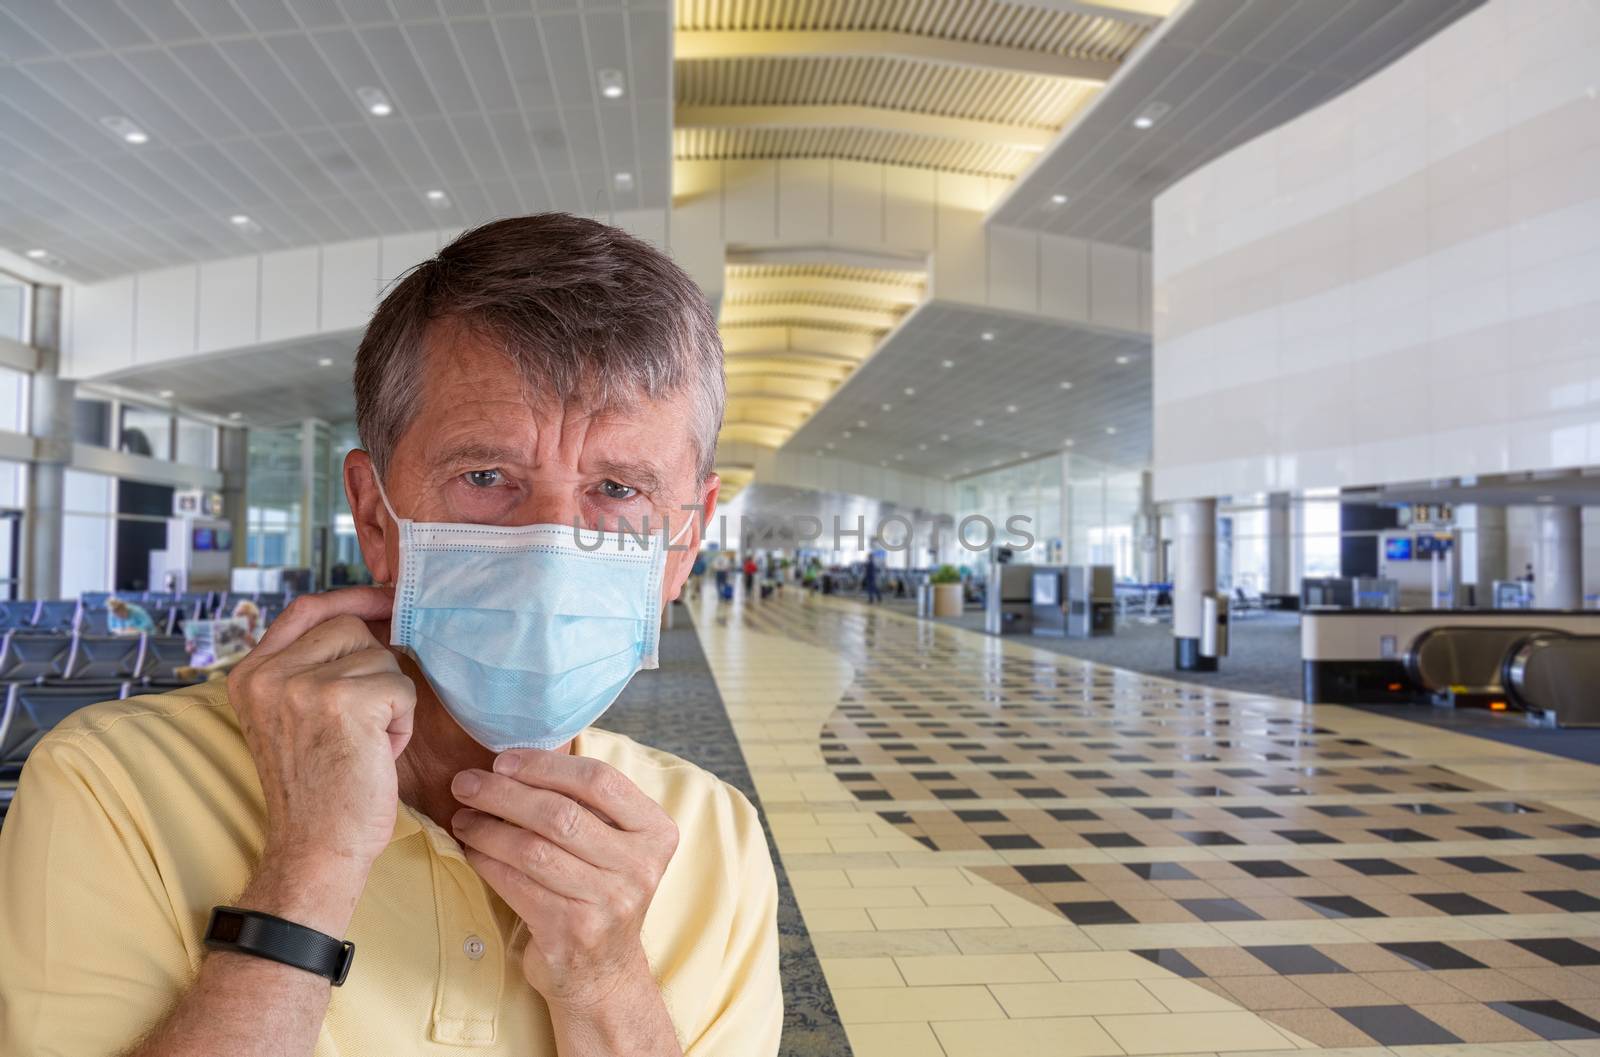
<point x="134" y="818"/>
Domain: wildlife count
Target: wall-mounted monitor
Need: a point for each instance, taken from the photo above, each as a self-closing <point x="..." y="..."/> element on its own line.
<point x="1397" y="548"/>
<point x="205" y="539"/>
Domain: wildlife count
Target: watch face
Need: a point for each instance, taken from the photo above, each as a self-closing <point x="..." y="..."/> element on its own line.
<point x="225" y="927"/>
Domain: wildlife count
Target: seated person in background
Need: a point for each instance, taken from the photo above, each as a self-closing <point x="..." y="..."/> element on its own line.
<point x="128" y="618"/>
<point x="402" y="782"/>
<point x="250" y="613"/>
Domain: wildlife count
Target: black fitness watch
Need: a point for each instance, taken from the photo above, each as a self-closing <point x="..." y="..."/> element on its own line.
<point x="264" y="936"/>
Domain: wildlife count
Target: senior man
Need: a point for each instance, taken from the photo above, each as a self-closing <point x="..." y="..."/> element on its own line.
<point x="408" y="768"/>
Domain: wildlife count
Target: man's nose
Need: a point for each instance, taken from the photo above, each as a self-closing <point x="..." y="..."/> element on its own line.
<point x="550" y="510"/>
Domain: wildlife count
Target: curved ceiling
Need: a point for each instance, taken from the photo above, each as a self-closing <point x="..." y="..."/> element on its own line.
<point x="970" y="86"/>
<point x="792" y="334"/>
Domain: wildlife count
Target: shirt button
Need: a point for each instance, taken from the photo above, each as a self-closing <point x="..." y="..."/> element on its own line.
<point x="474" y="947"/>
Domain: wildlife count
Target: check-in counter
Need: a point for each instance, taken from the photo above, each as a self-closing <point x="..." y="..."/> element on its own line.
<point x="1350" y="656"/>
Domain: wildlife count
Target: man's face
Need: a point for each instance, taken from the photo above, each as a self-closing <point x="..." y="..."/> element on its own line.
<point x="485" y="448"/>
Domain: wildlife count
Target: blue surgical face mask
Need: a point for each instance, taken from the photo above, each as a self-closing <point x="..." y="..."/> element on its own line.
<point x="528" y="633"/>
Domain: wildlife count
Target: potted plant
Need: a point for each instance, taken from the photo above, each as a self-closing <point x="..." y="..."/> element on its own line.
<point x="946" y="581"/>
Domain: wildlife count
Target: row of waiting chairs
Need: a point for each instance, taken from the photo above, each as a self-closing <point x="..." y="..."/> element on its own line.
<point x="31" y="711"/>
<point x="32" y="658"/>
<point x="167" y="609"/>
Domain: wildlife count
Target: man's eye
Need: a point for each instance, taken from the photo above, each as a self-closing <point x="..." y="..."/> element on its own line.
<point x="613" y="490"/>
<point x="484" y="478"/>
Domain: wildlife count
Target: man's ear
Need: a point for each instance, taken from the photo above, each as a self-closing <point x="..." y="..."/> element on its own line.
<point x="680" y="559"/>
<point x="373" y="524"/>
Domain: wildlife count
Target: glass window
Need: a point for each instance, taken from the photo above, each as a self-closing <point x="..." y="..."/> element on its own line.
<point x="197" y="443"/>
<point x="86" y="532"/>
<point x="87" y="493"/>
<point x="13" y="486"/>
<point x="91" y="422"/>
<point x="146" y="432"/>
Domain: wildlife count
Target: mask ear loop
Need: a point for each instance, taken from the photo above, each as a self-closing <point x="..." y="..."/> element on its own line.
<point x="386" y="504"/>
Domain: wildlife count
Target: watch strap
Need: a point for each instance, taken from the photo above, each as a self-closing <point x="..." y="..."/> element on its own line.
<point x="276" y="939"/>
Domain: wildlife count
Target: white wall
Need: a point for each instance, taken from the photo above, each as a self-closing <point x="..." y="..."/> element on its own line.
<point x="1402" y="284"/>
<point x="192" y="310"/>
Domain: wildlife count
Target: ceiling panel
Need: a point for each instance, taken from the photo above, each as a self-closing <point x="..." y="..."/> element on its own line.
<point x="1229" y="70"/>
<point x="251" y="107"/>
<point x="1013" y="384"/>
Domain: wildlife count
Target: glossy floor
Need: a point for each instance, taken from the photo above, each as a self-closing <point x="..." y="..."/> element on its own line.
<point x="1001" y="850"/>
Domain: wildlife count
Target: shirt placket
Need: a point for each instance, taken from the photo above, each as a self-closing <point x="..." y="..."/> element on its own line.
<point x="472" y="949"/>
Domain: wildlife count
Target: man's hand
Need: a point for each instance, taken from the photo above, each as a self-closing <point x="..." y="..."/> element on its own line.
<point x="577" y="850"/>
<point x="325" y="712"/>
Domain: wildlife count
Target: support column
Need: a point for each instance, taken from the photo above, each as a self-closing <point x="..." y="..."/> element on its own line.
<point x="1067" y="555"/>
<point x="1146" y="532"/>
<point x="50" y="423"/>
<point x="1492" y="553"/>
<point x="1558" y="558"/>
<point x="1280" y="557"/>
<point x="234" y="462"/>
<point x="1194" y="574"/>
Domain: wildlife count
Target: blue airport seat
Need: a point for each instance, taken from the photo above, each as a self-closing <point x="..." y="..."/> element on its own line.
<point x="18" y="614"/>
<point x="163" y="656"/>
<point x="31" y="712"/>
<point x="58" y="615"/>
<point x="95" y="621"/>
<point x="104" y="657"/>
<point x="94" y="599"/>
<point x="32" y="658"/>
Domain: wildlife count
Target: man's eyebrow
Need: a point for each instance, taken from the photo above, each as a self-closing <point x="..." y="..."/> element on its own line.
<point x="641" y="475"/>
<point x="476" y="452"/>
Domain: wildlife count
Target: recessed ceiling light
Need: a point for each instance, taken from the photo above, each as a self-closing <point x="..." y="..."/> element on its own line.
<point x="1124" y="360"/>
<point x="819" y="451"/>
<point x="1011" y="409"/>
<point x="829" y="445"/>
<point x="948" y="363"/>
<point x="1058" y="199"/>
<point x="861" y="423"/>
<point x="235" y="415"/>
<point x="944" y="437"/>
<point x="612" y="84"/>
<point x="375" y="101"/>
<point x="437" y="198"/>
<point x="37" y="255"/>
<point x="1111" y="431"/>
<point x="995" y="463"/>
<point x="1069" y="442"/>
<point x="899" y="458"/>
<point x="883" y="462"/>
<point x="1066" y="385"/>
<point x="126" y="129"/>
<point x="922" y="447"/>
<point x="887" y="407"/>
<point x="622" y="181"/>
<point x="977" y="422"/>
<point x="165" y="394"/>
<point x="326" y="361"/>
<point x="1022" y="455"/>
<point x="847" y="434"/>
<point x="910" y="391"/>
<point x="987" y="335"/>
<point x="1147" y="118"/>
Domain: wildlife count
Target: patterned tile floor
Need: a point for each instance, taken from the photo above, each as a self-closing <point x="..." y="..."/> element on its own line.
<point x="1000" y="850"/>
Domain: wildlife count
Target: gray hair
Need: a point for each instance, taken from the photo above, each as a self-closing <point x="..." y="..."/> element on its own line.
<point x="585" y="311"/>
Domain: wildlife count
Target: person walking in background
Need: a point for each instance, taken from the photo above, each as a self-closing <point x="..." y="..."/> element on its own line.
<point x="721" y="565"/>
<point x="869" y="583"/>
<point x="697" y="575"/>
<point x="750" y="569"/>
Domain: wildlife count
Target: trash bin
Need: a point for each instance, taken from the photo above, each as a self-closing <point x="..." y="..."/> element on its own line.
<point x="1213" y="625"/>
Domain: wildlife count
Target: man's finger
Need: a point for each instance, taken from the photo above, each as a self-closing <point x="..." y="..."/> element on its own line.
<point x="542" y="860"/>
<point x="598" y="785"/>
<point x="555" y="817"/>
<point x="307" y="611"/>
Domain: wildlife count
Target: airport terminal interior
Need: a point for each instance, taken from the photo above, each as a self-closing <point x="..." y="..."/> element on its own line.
<point x="1154" y="595"/>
